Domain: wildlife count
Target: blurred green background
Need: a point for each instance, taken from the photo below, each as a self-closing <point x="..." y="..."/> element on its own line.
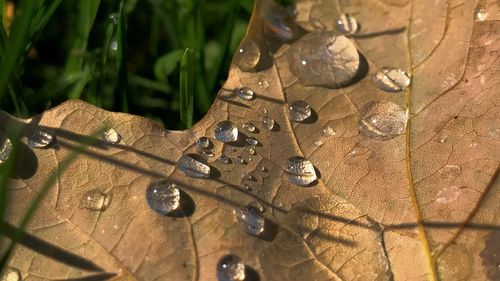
<point x="161" y="59"/>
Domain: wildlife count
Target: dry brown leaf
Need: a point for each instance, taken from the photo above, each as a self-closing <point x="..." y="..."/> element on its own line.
<point x="422" y="205"/>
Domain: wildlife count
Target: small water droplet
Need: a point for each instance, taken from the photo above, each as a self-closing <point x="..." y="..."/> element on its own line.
<point x="203" y="143"/>
<point x="251" y="150"/>
<point x="11" y="274"/>
<point x="163" y="197"/>
<point x="249" y="127"/>
<point x="382" y="120"/>
<point x="391" y="79"/>
<point x="347" y="24"/>
<point x="299" y="111"/>
<point x="247" y="56"/>
<point x="239" y="160"/>
<point x="324" y="59"/>
<point x="111" y="136"/>
<point x="300" y="171"/>
<point x="208" y="153"/>
<point x="230" y="268"/>
<point x="5" y="150"/>
<point x="193" y="168"/>
<point x="225" y="131"/>
<point x="263" y="84"/>
<point x="252" y="141"/>
<point x="481" y="15"/>
<point x="40" y="139"/>
<point x="95" y="200"/>
<point x="245" y="93"/>
<point x="263" y="169"/>
<point x="250" y="219"/>
<point x="114" y="18"/>
<point x="328" y="131"/>
<point x="224" y="159"/>
<point x="267" y="121"/>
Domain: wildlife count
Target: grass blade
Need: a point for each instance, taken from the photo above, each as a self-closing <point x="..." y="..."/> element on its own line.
<point x="122" y="94"/>
<point x="186" y="88"/>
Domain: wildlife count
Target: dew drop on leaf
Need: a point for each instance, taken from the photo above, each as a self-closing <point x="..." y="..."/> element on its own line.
<point x="163" y="197"/>
<point x="208" y="153"/>
<point x="5" y="150"/>
<point x="239" y="160"/>
<point x="111" y="136"/>
<point x="323" y="58"/>
<point x="245" y="93"/>
<point x="247" y="55"/>
<point x="328" y="131"/>
<point x="230" y="268"/>
<point x="203" y="143"/>
<point x="95" y="200"/>
<point x="300" y="171"/>
<point x="11" y="274"/>
<point x="250" y="220"/>
<point x="391" y="79"/>
<point x="252" y="141"/>
<point x="225" y="131"/>
<point x="193" y="167"/>
<point x="267" y="121"/>
<point x="382" y="120"/>
<point x="224" y="159"/>
<point x="299" y="111"/>
<point x="40" y="139"/>
<point x="251" y="150"/>
<point x="249" y="127"/>
<point x="346" y="24"/>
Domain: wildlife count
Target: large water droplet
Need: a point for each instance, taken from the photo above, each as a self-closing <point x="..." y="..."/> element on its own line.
<point x="163" y="197"/>
<point x="203" y="143"/>
<point x="11" y="274"/>
<point x="245" y="93"/>
<point x="225" y="131"/>
<point x="250" y="219"/>
<point x="324" y="59"/>
<point x="193" y="168"/>
<point x="230" y="268"/>
<point x="40" y="139"/>
<point x="5" y="150"/>
<point x="267" y="121"/>
<point x="300" y="171"/>
<point x="111" y="136"/>
<point x="249" y="127"/>
<point x="248" y="55"/>
<point x="299" y="111"/>
<point x="95" y="200"/>
<point x="391" y="79"/>
<point x="346" y="24"/>
<point x="382" y="120"/>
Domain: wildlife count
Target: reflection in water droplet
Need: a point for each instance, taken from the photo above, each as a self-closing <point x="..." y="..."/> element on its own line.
<point x="252" y="141"/>
<point x="224" y="159"/>
<point x="251" y="150"/>
<point x="250" y="220"/>
<point x="328" y="131"/>
<point x="249" y="127"/>
<point x="11" y="274"/>
<point x="230" y="268"/>
<point x="324" y="59"/>
<point x="95" y="200"/>
<point x="267" y="121"/>
<point x="245" y="93"/>
<point x="239" y="160"/>
<point x="382" y="120"/>
<point x="203" y="143"/>
<point x="299" y="111"/>
<point x="346" y="24"/>
<point x="40" y="139"/>
<point x="5" y="150"/>
<point x="163" y="197"/>
<point x="225" y="131"/>
<point x="300" y="171"/>
<point x="248" y="55"/>
<point x="193" y="168"/>
<point x="391" y="79"/>
<point x="111" y="136"/>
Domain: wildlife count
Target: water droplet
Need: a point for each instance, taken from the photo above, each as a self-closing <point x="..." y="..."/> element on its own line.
<point x="249" y="127"/>
<point x="252" y="141"/>
<point x="250" y="219"/>
<point x="95" y="200"/>
<point x="225" y="131"/>
<point x="481" y="15"/>
<point x="263" y="169"/>
<point x="251" y="150"/>
<point x="267" y="121"/>
<point x="208" y="153"/>
<point x="245" y="93"/>
<point x="382" y="120"/>
<point x="5" y="150"/>
<point x="40" y="139"/>
<point x="193" y="168"/>
<point x="230" y="268"/>
<point x="300" y="171"/>
<point x="163" y="197"/>
<point x="299" y="111"/>
<point x="328" y="131"/>
<point x="111" y="136"/>
<point x="224" y="159"/>
<point x="248" y="55"/>
<point x="114" y="18"/>
<point x="391" y="79"/>
<point x="347" y="24"/>
<point x="324" y="59"/>
<point x="11" y="274"/>
<point x="239" y="160"/>
<point x="263" y="84"/>
<point x="203" y="143"/>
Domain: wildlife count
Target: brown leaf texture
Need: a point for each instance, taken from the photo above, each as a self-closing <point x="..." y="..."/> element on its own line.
<point x="421" y="204"/>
